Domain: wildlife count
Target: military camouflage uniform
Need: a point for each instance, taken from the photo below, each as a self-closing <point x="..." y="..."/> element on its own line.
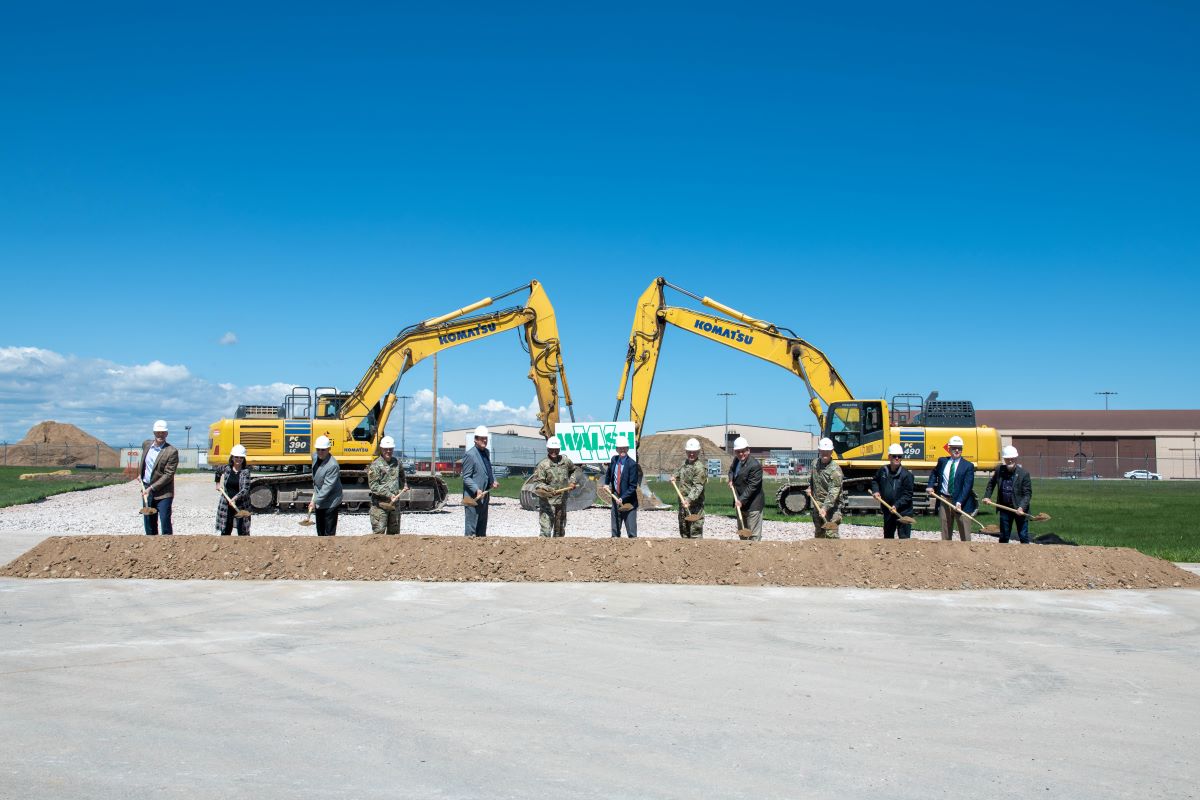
<point x="552" y="511"/>
<point x="827" y="489"/>
<point x="690" y="478"/>
<point x="385" y="479"/>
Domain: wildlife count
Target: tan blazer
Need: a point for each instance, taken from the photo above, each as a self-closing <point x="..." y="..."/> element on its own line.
<point x="162" y="477"/>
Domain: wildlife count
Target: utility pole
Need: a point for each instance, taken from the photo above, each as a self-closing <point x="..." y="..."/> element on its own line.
<point x="726" y="395"/>
<point x="188" y="428"/>
<point x="404" y="398"/>
<point x="1106" y="396"/>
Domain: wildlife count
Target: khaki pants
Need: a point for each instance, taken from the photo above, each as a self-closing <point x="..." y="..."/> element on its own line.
<point x="951" y="518"/>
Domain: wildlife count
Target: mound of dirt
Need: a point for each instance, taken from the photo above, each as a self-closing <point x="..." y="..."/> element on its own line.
<point x="854" y="563"/>
<point x="663" y="453"/>
<point x="57" y="444"/>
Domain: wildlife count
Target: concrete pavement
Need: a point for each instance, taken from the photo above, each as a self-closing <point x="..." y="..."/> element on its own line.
<point x="139" y="689"/>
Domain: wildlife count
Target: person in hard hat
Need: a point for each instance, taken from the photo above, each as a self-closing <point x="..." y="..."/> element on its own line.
<point x="893" y="484"/>
<point x="160" y="460"/>
<point x="478" y="478"/>
<point x="954" y="479"/>
<point x="234" y="479"/>
<point x="1016" y="491"/>
<point x="553" y="475"/>
<point x="623" y="477"/>
<point x="327" y="488"/>
<point x="385" y="482"/>
<point x="746" y="481"/>
<point x="826" y="487"/>
<point x="690" y="479"/>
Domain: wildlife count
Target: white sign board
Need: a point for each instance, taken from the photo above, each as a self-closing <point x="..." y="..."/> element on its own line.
<point x="594" y="442"/>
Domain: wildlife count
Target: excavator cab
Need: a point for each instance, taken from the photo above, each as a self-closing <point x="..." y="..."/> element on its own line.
<point x="852" y="424"/>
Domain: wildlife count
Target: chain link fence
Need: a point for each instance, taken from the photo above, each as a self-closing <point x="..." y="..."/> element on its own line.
<point x="1082" y="465"/>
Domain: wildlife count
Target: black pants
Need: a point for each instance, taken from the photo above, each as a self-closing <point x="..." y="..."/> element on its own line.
<point x="327" y="521"/>
<point x="892" y="528"/>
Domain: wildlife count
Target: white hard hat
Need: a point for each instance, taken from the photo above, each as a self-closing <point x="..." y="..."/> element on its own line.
<point x="691" y="444"/>
<point x="740" y="443"/>
<point x="238" y="450"/>
<point x="552" y="443"/>
<point x="826" y="445"/>
<point x="160" y="425"/>
<point x="895" y="450"/>
<point x="387" y="443"/>
<point x="955" y="441"/>
<point x="482" y="431"/>
<point x="1009" y="452"/>
<point x="322" y="443"/>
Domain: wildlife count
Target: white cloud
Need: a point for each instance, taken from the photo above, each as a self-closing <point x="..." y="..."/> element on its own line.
<point x="229" y="338"/>
<point x="118" y="402"/>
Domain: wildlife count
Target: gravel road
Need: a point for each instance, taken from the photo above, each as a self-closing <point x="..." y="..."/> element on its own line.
<point x="113" y="510"/>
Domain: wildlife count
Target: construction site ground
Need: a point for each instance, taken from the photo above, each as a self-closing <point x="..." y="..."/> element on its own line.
<point x="519" y="667"/>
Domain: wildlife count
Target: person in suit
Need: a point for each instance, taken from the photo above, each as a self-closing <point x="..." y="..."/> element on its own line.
<point x="478" y="477"/>
<point x="160" y="460"/>
<point x="745" y="478"/>
<point x="234" y="478"/>
<point x="893" y="484"/>
<point x="954" y="479"/>
<point x="327" y="488"/>
<point x="623" y="477"/>
<point x="1016" y="491"/>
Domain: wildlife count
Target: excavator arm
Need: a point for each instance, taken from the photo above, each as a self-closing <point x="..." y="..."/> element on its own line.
<point x="736" y="330"/>
<point x="417" y="342"/>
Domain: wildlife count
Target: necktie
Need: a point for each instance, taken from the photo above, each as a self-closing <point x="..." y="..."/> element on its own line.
<point x="953" y="465"/>
<point x="617" y="482"/>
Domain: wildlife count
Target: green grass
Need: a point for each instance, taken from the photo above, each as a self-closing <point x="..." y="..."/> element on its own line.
<point x="14" y="491"/>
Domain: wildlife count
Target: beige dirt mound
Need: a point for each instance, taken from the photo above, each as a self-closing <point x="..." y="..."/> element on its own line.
<point x="57" y="444"/>
<point x="858" y="563"/>
<point x="663" y="453"/>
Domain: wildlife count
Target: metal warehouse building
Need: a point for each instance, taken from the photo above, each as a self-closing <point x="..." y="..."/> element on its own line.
<point x="1102" y="444"/>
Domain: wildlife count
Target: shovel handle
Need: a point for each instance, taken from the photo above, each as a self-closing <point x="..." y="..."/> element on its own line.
<point x="988" y="500"/>
<point x="686" y="507"/>
<point x="952" y="507"/>
<point x="820" y="510"/>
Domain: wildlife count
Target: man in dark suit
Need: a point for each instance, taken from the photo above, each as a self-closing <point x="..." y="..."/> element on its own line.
<point x="894" y="485"/>
<point x="745" y="477"/>
<point x="1016" y="491"/>
<point x="623" y="477"/>
<point x="954" y="479"/>
<point x="157" y="469"/>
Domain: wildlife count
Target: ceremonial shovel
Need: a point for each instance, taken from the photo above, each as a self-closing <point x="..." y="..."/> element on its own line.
<point x="743" y="532"/>
<point x="386" y="506"/>
<point x="241" y="512"/>
<point x="307" y="521"/>
<point x="892" y="508"/>
<point x="473" y="501"/>
<point x="690" y="517"/>
<point x="827" y="525"/>
<point x="1039" y="517"/>
<point x="147" y="509"/>
<point x="990" y="530"/>
<point x="620" y="506"/>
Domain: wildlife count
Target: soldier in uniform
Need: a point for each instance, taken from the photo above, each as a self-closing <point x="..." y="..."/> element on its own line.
<point x="553" y="472"/>
<point x="690" y="479"/>
<point x="827" y="490"/>
<point x="385" y="481"/>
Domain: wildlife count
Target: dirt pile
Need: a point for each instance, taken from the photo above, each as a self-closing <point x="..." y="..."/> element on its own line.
<point x="865" y="564"/>
<point x="57" y="444"/>
<point x="662" y="453"/>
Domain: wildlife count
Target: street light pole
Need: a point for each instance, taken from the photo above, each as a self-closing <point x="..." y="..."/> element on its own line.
<point x="1106" y="396"/>
<point x="404" y="398"/>
<point x="188" y="428"/>
<point x="726" y="395"/>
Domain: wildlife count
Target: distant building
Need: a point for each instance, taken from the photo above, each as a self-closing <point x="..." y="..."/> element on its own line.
<point x="1106" y="444"/>
<point x="762" y="439"/>
<point x="456" y="437"/>
<point x="518" y="447"/>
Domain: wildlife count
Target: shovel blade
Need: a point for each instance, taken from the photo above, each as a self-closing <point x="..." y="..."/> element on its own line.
<point x="991" y="530"/>
<point x="745" y="533"/>
<point x="242" y="514"/>
<point x="692" y="518"/>
<point x="829" y="526"/>
<point x="307" y="523"/>
<point x="1043" y="517"/>
<point x="147" y="511"/>
<point x="907" y="521"/>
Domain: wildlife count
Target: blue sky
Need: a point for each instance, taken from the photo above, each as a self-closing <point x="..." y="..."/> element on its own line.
<point x="998" y="204"/>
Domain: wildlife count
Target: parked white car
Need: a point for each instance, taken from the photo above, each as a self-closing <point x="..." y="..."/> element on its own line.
<point x="1143" y="475"/>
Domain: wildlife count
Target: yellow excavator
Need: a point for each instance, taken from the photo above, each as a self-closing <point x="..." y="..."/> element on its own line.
<point x="279" y="439"/>
<point x="861" y="430"/>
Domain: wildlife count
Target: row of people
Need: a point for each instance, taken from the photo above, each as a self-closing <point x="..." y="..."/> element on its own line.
<point x="952" y="480"/>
